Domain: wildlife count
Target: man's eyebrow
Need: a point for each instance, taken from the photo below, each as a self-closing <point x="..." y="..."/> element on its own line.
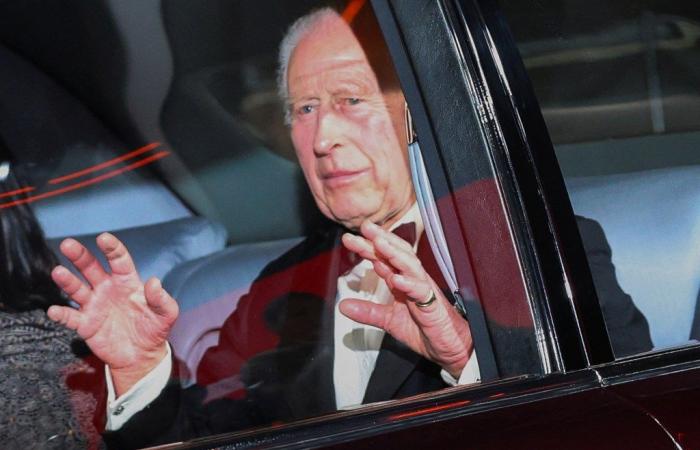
<point x="300" y="98"/>
<point x="354" y="85"/>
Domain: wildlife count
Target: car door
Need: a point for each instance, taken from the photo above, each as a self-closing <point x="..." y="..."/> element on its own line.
<point x="507" y="154"/>
<point x="551" y="379"/>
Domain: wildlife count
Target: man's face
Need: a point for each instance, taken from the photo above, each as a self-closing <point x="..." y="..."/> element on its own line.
<point x="346" y="131"/>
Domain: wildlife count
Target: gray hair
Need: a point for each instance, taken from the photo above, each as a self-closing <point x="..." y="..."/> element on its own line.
<point x="296" y="32"/>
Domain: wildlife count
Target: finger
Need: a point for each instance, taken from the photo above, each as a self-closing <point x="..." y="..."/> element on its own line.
<point x="364" y="248"/>
<point x="71" y="285"/>
<point x="436" y="315"/>
<point x="160" y="301"/>
<point x="68" y="317"/>
<point x="84" y="261"/>
<point x="385" y="271"/>
<point x="359" y="245"/>
<point x="366" y="312"/>
<point x="416" y="290"/>
<point x="117" y="255"/>
<point x="373" y="231"/>
<point x="406" y="263"/>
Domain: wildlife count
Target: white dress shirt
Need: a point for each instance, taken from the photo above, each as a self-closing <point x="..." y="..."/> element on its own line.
<point x="356" y="348"/>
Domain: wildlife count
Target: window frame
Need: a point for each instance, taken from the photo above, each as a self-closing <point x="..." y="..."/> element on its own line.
<point x="567" y="298"/>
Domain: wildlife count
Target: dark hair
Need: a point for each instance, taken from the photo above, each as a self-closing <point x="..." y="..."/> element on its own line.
<point x="27" y="260"/>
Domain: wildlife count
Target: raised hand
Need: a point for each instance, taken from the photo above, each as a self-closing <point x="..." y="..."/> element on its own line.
<point x="124" y="322"/>
<point x="434" y="330"/>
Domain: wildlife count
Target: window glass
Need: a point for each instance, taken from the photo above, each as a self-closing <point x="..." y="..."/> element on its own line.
<point x="227" y="147"/>
<point x="619" y="88"/>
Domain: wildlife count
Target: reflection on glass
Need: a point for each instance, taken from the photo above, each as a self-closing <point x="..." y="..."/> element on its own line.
<point x="48" y="386"/>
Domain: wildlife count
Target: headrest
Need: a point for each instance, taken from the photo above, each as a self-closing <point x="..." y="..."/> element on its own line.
<point x="158" y="248"/>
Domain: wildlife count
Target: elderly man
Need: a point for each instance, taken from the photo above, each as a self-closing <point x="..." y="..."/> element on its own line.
<point x="317" y="331"/>
<point x="346" y="120"/>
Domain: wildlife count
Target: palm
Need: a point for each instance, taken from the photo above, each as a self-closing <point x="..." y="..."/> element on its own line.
<point x="124" y="322"/>
<point x="116" y="314"/>
<point x="438" y="336"/>
<point x="437" y="331"/>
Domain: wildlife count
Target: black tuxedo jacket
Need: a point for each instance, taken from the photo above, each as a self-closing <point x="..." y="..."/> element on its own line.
<point x="274" y="361"/>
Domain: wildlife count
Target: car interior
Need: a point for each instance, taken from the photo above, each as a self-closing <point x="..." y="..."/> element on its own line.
<point x="85" y="83"/>
<point x="626" y="135"/>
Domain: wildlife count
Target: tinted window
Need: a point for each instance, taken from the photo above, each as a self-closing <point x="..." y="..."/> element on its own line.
<point x="619" y="87"/>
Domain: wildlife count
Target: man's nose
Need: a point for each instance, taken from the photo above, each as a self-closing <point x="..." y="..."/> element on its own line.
<point x="328" y="131"/>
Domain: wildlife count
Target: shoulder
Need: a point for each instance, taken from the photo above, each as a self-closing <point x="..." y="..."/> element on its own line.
<point x="592" y="235"/>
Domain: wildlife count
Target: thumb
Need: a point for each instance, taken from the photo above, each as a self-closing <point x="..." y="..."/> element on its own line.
<point x="160" y="301"/>
<point x="365" y="312"/>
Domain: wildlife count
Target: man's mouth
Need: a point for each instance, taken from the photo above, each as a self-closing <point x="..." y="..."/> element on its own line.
<point x="338" y="178"/>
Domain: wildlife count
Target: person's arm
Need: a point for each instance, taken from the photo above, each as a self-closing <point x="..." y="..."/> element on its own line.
<point x="627" y="327"/>
<point x="470" y="374"/>
<point x="149" y="413"/>
<point x="139" y="396"/>
<point x="126" y="324"/>
<point x="124" y="321"/>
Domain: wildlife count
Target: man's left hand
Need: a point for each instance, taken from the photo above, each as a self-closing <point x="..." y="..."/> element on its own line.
<point x="436" y="331"/>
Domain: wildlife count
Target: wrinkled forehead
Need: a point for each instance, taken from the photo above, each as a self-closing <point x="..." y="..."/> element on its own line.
<point x="331" y="46"/>
<point x="334" y="76"/>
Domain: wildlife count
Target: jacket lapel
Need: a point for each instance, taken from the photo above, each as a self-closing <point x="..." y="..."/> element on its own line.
<point x="396" y="362"/>
<point x="312" y="392"/>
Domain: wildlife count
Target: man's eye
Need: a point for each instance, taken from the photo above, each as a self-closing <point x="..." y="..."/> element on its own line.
<point x="353" y="101"/>
<point x="305" y="109"/>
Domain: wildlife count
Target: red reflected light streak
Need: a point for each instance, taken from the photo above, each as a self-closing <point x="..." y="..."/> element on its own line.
<point x="17" y="191"/>
<point x="105" y="164"/>
<point x="89" y="182"/>
<point x="352" y="9"/>
<point x="420" y="412"/>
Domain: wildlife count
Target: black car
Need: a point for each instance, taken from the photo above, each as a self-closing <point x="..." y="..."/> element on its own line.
<point x="160" y="121"/>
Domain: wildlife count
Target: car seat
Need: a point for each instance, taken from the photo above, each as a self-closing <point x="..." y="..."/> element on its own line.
<point x="651" y="219"/>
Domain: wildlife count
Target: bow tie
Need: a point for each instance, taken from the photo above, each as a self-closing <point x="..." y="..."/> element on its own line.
<point x="348" y="259"/>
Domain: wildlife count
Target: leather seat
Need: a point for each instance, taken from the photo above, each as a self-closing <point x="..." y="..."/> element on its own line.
<point x="209" y="288"/>
<point x="652" y="222"/>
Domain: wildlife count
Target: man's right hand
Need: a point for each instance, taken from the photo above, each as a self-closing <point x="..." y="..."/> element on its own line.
<point x="124" y="322"/>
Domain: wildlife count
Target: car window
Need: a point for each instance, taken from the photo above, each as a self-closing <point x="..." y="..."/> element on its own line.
<point x="619" y="89"/>
<point x="233" y="182"/>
